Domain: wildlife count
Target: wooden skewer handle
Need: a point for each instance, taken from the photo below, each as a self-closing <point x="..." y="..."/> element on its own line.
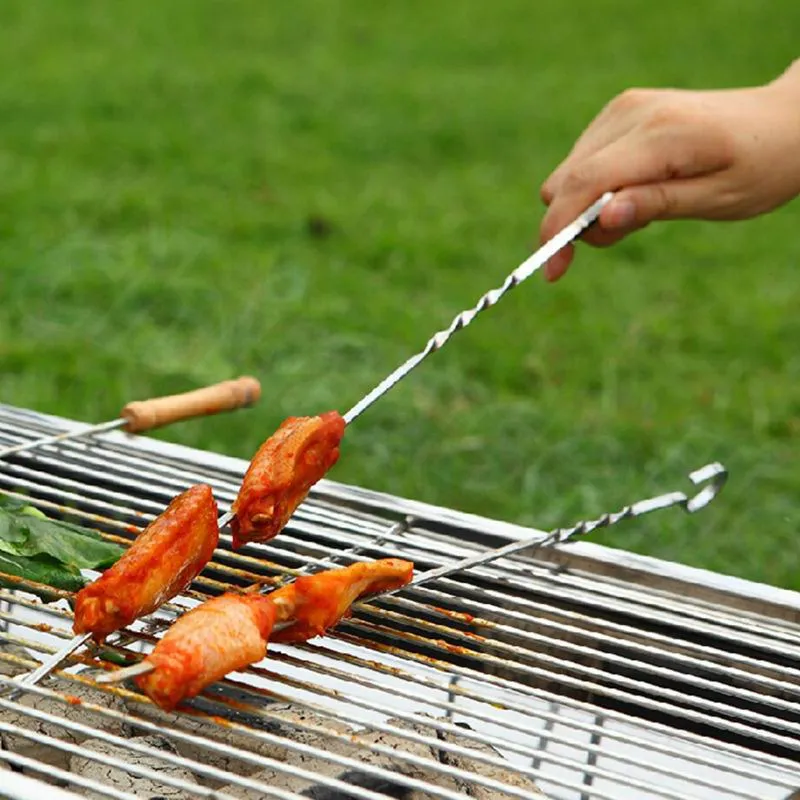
<point x="145" y="415"/>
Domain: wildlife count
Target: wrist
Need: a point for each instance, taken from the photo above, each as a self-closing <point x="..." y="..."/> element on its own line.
<point x="785" y="96"/>
<point x="787" y="84"/>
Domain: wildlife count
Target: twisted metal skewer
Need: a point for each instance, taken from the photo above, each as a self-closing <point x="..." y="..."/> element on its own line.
<point x="439" y="339"/>
<point x="436" y="342"/>
<point x="714" y="475"/>
<point x="521" y="273"/>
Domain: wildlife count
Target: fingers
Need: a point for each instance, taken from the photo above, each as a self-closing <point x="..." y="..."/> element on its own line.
<point x="616" y="120"/>
<point x="625" y="162"/>
<point x="690" y="198"/>
<point x="633" y="209"/>
<point x="653" y="173"/>
<point x="602" y="234"/>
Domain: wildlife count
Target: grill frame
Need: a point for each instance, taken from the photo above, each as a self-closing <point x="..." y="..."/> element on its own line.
<point x="563" y="575"/>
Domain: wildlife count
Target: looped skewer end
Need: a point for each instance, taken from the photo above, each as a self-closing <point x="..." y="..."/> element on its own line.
<point x="715" y="476"/>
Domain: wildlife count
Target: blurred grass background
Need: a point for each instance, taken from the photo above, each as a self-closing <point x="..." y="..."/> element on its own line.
<point x="191" y="190"/>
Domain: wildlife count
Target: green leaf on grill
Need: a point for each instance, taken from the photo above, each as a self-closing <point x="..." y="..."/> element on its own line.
<point x="41" y="569"/>
<point x="41" y="549"/>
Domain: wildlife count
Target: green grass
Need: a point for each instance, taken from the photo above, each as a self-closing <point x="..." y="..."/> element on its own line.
<point x="193" y="189"/>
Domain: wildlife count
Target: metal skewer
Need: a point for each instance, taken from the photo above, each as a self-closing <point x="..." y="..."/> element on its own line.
<point x="521" y="273"/>
<point x="144" y="415"/>
<point x="133" y="671"/>
<point x="436" y="342"/>
<point x="47" y="666"/>
<point x="714" y="475"/>
<point x="144" y="666"/>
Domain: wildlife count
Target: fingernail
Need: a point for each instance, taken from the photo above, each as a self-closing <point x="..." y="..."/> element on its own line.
<point x="620" y="214"/>
<point x="553" y="268"/>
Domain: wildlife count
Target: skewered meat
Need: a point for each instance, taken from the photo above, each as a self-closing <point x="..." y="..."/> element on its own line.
<point x="163" y="560"/>
<point x="318" y="602"/>
<point x="215" y="638"/>
<point x="282" y="473"/>
<point x="232" y="631"/>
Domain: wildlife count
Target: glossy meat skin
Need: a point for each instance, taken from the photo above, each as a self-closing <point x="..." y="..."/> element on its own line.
<point x="160" y="563"/>
<point x="219" y="636"/>
<point x="281" y="474"/>
<point x="318" y="602"/>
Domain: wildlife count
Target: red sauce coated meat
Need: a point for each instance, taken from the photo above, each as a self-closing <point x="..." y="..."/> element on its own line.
<point x="232" y="631"/>
<point x="161" y="562"/>
<point x="281" y="474"/>
<point x="316" y="603"/>
<point x="220" y="636"/>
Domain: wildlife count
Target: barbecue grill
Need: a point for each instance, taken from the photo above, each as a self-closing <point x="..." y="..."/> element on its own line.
<point x="585" y="671"/>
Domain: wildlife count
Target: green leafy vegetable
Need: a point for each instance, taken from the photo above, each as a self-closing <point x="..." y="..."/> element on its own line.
<point x="25" y="531"/>
<point x="41" y="569"/>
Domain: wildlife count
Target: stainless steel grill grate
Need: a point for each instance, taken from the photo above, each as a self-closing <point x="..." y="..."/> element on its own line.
<point x="587" y="672"/>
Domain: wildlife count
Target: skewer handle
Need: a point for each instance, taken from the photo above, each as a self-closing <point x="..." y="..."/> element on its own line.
<point x="144" y="415"/>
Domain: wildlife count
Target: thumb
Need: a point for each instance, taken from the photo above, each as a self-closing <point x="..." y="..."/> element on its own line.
<point x="637" y="206"/>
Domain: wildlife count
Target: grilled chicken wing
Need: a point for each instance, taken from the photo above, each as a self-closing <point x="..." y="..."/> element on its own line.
<point x="281" y="474"/>
<point x="315" y="603"/>
<point x="232" y="631"/>
<point x="220" y="636"/>
<point x="161" y="562"/>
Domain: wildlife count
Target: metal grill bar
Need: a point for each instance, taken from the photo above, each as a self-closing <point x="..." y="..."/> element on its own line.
<point x="738" y="794"/>
<point x="550" y="717"/>
<point x="576" y="650"/>
<point x="145" y="771"/>
<point x="599" y="689"/>
<point x="261" y="760"/>
<point x="330" y="671"/>
<point x="155" y="507"/>
<point x="592" y="750"/>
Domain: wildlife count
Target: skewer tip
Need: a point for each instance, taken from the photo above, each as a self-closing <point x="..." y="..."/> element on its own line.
<point x="119" y="675"/>
<point x="225" y="519"/>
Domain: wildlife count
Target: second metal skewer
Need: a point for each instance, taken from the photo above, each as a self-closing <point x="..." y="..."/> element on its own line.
<point x="714" y="475"/>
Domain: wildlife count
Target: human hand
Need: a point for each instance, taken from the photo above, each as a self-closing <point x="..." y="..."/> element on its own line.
<point x="671" y="154"/>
